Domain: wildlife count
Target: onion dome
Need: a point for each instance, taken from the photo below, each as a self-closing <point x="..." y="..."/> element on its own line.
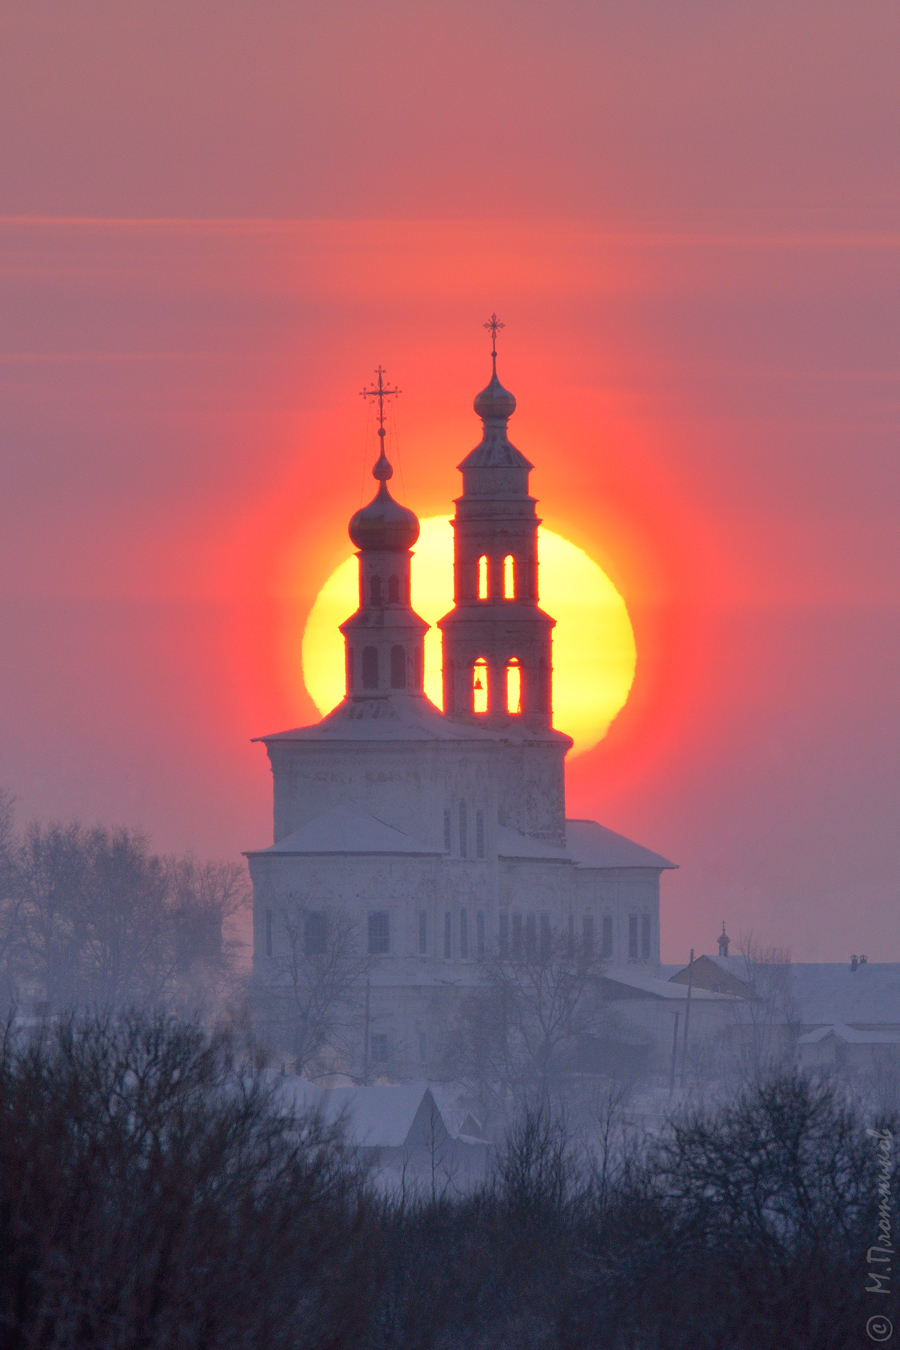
<point x="384" y="524"/>
<point x="495" y="401"/>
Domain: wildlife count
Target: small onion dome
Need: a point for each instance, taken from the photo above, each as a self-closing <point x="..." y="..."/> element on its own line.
<point x="495" y="401"/>
<point x="384" y="524"/>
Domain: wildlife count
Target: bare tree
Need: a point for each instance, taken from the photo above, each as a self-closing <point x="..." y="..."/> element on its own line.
<point x="314" y="986"/>
<point x="92" y="918"/>
<point x="767" y="1021"/>
<point x="519" y="1034"/>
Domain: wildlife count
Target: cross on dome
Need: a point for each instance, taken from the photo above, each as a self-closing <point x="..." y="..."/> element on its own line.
<point x="493" y="324"/>
<point x="381" y="391"/>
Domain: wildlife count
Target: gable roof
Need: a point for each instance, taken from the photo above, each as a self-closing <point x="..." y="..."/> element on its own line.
<point x="849" y="1035"/>
<point x="375" y="1117"/>
<point x="625" y="984"/>
<point x="592" y="845"/>
<point x="346" y="829"/>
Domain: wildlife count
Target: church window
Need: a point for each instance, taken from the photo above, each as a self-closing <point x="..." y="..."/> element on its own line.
<point x="394" y="591"/>
<point x="479" y="834"/>
<point x="513" y="687"/>
<point x="379" y="933"/>
<point x="375" y="590"/>
<point x="463" y="831"/>
<point x="503" y="935"/>
<point x="632" y="938"/>
<point x="479" y="934"/>
<point x="545" y="936"/>
<point x="349" y="664"/>
<point x="379" y="1044"/>
<point x="448" y="841"/>
<point x="423" y="932"/>
<point x="464" y="934"/>
<point x="517" y="935"/>
<point x="448" y="935"/>
<point x="607" y="948"/>
<point x="315" y="934"/>
<point x="479" y="687"/>
<point x="544" y="685"/>
<point x="587" y="934"/>
<point x="482" y="578"/>
<point x="530" y="934"/>
<point x="370" y="667"/>
<point x="398" y="667"/>
<point x="417" y="668"/>
<point x="268" y="932"/>
<point x="645" y="937"/>
<point x="509" y="575"/>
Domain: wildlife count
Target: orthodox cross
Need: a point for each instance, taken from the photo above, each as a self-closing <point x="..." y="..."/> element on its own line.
<point x="493" y="324"/>
<point x="380" y="391"/>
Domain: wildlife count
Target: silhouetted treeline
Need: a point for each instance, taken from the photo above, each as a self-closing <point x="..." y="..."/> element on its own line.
<point x="153" y="1194"/>
<point x="92" y="918"/>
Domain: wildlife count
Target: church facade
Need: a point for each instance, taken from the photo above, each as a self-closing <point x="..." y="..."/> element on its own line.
<point x="442" y="835"/>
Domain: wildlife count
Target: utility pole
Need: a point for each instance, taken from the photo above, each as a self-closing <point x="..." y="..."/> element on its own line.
<point x="674" y="1054"/>
<point x="366" y="1038"/>
<point x="687" y="1018"/>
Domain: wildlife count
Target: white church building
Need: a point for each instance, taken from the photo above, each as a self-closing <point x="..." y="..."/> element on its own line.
<point x="443" y="834"/>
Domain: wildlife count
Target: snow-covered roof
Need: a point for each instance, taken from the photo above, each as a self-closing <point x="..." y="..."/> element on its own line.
<point x="850" y="1035"/>
<point x="593" y="845"/>
<point x="652" y="987"/>
<point x="403" y="717"/>
<point x="513" y="844"/>
<point x="833" y="993"/>
<point x="374" y="1117"/>
<point x="825" y="992"/>
<point x="346" y="828"/>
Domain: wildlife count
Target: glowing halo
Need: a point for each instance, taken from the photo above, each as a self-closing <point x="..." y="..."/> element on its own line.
<point x="593" y="641"/>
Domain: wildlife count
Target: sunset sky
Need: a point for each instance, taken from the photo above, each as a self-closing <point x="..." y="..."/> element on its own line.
<point x="217" y="218"/>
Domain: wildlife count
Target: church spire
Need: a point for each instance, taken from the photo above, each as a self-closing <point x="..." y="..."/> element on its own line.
<point x="496" y="641"/>
<point x="384" y="637"/>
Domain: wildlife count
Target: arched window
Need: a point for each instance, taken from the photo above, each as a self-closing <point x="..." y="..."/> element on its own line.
<point x="509" y="578"/>
<point x="417" y="668"/>
<point x="394" y="591"/>
<point x="479" y="687"/>
<point x="349" y="660"/>
<point x="370" y="667"/>
<point x="398" y="667"/>
<point x="375" y="590"/>
<point x="482" y="579"/>
<point x="513" y="687"/>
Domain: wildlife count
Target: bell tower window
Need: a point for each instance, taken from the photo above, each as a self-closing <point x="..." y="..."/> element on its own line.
<point x="513" y="687"/>
<point x="482" y="578"/>
<point x="398" y="667"/>
<point x="394" y="591"/>
<point x="509" y="578"/>
<point x="417" y="669"/>
<point x="375" y="590"/>
<point x="479" y="687"/>
<point x="370" y="667"/>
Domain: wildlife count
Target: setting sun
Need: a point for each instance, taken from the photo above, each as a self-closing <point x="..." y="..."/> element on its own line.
<point x="593" y="642"/>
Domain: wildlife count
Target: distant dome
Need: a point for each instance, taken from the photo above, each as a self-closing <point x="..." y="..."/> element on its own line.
<point x="384" y="524"/>
<point x="495" y="401"/>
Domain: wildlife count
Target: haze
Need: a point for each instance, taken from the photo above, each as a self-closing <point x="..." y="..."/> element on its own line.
<point x="218" y="218"/>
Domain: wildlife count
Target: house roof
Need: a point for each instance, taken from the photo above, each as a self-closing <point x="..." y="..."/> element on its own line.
<point x="374" y="1117"/>
<point x="593" y="845"/>
<point x="624" y="984"/>
<point x="346" y="829"/>
<point x="850" y="1035"/>
<point x="403" y="717"/>
<point x="825" y="992"/>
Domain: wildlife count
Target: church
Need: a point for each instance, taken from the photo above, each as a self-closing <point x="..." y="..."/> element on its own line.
<point x="441" y="835"/>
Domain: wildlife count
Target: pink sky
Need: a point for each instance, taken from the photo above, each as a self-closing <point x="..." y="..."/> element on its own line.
<point x="219" y="217"/>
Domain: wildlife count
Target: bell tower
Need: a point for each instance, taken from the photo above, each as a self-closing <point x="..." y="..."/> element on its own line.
<point x="496" y="640"/>
<point x="383" y="640"/>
